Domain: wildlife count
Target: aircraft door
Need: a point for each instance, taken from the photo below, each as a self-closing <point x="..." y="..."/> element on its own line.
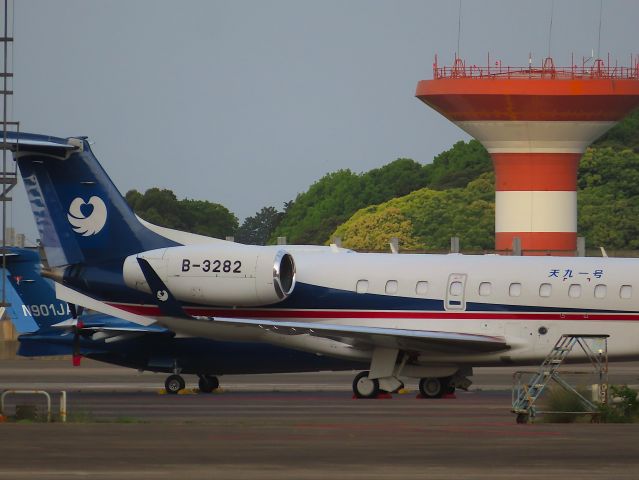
<point x="455" y="290"/>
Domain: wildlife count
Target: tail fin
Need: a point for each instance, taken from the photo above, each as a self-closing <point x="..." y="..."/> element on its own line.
<point x="81" y="216"/>
<point x="32" y="297"/>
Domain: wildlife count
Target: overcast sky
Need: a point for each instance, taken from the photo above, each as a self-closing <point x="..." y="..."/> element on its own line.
<point x="247" y="103"/>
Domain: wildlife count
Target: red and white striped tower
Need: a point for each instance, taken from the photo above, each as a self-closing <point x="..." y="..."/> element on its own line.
<point x="536" y="123"/>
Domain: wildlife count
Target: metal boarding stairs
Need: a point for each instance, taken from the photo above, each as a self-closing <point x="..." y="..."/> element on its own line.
<point x="525" y="395"/>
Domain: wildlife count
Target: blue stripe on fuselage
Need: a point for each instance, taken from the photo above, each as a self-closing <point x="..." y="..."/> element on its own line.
<point x="314" y="297"/>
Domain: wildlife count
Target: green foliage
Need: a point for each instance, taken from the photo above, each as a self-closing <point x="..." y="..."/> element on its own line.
<point x="161" y="207"/>
<point x="434" y="216"/>
<point x="337" y="196"/>
<point x="455" y="167"/>
<point x="557" y="400"/>
<point x="257" y="230"/>
<point x="623" y="135"/>
<point x="625" y="410"/>
<point x="608" y="198"/>
<point x="372" y="228"/>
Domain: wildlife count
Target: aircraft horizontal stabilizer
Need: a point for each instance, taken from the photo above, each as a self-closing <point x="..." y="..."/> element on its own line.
<point x="366" y="337"/>
<point x="30" y="143"/>
<point x="72" y="296"/>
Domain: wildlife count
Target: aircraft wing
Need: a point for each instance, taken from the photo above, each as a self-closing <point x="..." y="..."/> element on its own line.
<point x="104" y="327"/>
<point x="110" y="329"/>
<point x="357" y="336"/>
<point x="370" y="337"/>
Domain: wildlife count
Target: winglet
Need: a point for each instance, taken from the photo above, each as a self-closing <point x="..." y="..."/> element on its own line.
<point x="168" y="304"/>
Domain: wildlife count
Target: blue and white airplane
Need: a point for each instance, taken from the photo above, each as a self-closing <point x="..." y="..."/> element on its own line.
<point x="431" y="317"/>
<point x="47" y="327"/>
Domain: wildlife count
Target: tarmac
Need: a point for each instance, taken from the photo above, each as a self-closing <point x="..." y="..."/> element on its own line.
<point x="295" y="426"/>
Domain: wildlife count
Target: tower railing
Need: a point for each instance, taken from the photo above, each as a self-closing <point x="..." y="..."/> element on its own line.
<point x="598" y="69"/>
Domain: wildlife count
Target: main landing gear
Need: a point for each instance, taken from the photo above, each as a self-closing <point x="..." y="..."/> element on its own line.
<point x="208" y="383"/>
<point x="174" y="383"/>
<point x="387" y="365"/>
<point x="433" y="387"/>
<point x="364" y="387"/>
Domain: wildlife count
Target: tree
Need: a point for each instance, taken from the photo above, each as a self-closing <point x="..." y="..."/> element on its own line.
<point x="457" y="166"/>
<point x="624" y="135"/>
<point x="161" y="207"/>
<point x="372" y="230"/>
<point x="608" y="198"/>
<point x="207" y="218"/>
<point x="426" y="219"/>
<point x="257" y="230"/>
<point x="335" y="197"/>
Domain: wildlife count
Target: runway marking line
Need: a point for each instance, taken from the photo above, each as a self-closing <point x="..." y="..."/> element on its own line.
<point x="515" y="431"/>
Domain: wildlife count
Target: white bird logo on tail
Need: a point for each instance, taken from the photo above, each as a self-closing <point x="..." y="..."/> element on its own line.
<point x="90" y="223"/>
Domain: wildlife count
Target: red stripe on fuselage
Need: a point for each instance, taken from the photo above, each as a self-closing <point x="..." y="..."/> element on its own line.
<point x="151" y="310"/>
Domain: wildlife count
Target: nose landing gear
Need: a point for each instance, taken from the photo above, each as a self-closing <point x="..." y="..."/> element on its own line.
<point x="174" y="383"/>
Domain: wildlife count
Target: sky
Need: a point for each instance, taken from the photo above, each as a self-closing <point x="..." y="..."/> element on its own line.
<point x="248" y="102"/>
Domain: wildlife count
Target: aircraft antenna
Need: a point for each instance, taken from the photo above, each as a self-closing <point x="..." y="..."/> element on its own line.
<point x="599" y="36"/>
<point x="459" y="27"/>
<point x="552" y="11"/>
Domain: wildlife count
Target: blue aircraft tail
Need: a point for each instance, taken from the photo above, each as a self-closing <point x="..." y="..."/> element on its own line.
<point x="31" y="296"/>
<point x="81" y="216"/>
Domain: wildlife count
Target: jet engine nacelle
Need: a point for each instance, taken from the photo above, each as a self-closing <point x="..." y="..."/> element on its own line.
<point x="221" y="275"/>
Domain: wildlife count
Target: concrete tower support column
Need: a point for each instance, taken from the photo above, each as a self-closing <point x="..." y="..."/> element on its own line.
<point x="536" y="165"/>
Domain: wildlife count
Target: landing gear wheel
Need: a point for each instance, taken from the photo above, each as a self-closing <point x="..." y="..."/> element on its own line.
<point x="431" y="387"/>
<point x="208" y="383"/>
<point x="363" y="387"/>
<point x="522" y="418"/>
<point x="173" y="384"/>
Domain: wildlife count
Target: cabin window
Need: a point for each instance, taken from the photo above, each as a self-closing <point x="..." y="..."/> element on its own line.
<point x="600" y="291"/>
<point x="456" y="289"/>
<point x="514" y="290"/>
<point x="485" y="289"/>
<point x="574" y="290"/>
<point x="362" y="286"/>
<point x="391" y="287"/>
<point x="421" y="288"/>
<point x="545" y="290"/>
<point x="625" y="291"/>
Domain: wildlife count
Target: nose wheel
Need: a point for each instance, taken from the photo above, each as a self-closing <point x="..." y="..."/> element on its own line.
<point x="208" y="383"/>
<point x="174" y="383"/>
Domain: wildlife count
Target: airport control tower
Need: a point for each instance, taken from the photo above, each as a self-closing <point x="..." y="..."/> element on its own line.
<point x="536" y="122"/>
